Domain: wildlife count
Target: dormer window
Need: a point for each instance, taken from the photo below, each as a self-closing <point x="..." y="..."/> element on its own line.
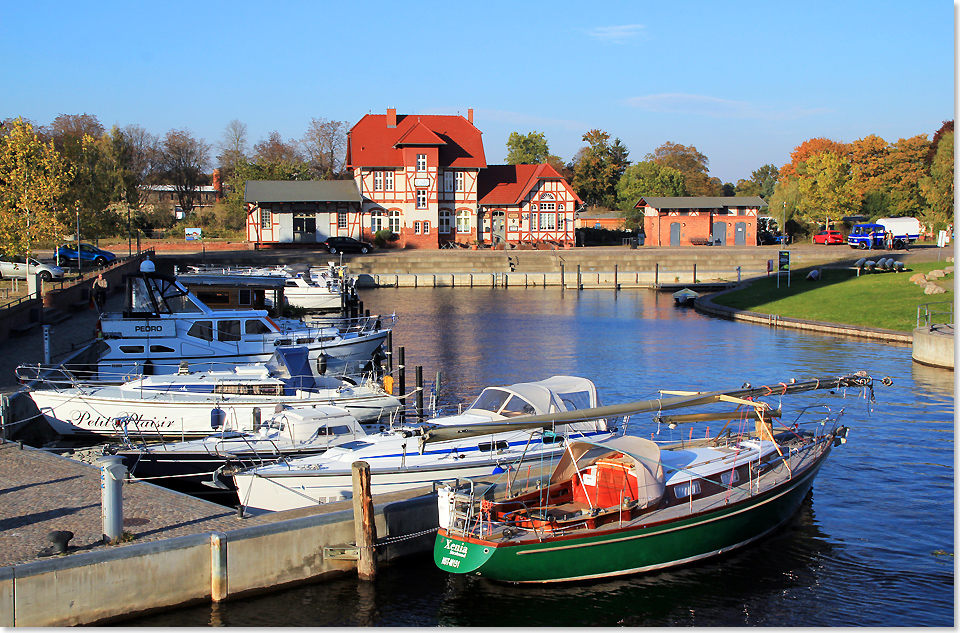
<point x="421" y="162"/>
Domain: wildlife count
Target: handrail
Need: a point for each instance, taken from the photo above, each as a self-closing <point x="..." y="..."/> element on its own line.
<point x="927" y="316"/>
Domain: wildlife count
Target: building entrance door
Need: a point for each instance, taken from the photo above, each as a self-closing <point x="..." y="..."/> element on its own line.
<point x="740" y="234"/>
<point x="674" y="234"/>
<point x="304" y="228"/>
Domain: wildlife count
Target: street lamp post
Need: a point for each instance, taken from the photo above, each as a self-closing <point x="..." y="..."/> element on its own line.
<point x="79" y="271"/>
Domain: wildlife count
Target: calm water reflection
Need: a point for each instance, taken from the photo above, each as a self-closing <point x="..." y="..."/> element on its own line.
<point x="871" y="546"/>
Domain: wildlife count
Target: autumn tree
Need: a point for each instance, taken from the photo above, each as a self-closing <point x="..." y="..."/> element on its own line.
<point x="325" y="145"/>
<point x="806" y="150"/>
<point x="905" y="167"/>
<point x="692" y="164"/>
<point x="33" y="181"/>
<point x="275" y="150"/>
<point x="938" y="187"/>
<point x="598" y="167"/>
<point x="183" y="160"/>
<point x="827" y="190"/>
<point x="527" y="149"/>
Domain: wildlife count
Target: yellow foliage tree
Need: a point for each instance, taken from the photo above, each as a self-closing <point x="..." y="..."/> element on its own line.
<point x="828" y="191"/>
<point x="33" y="178"/>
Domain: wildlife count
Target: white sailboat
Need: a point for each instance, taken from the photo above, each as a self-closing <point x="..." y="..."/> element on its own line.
<point x="399" y="462"/>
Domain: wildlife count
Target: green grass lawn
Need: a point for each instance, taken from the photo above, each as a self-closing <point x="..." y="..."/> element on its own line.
<point x="882" y="300"/>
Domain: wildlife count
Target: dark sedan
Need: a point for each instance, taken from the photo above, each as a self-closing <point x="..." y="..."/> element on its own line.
<point x="342" y="244"/>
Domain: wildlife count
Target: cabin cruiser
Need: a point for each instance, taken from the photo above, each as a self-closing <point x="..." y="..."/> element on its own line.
<point x="189" y="403"/>
<point x="164" y="323"/>
<point x="203" y="467"/>
<point x="398" y="461"/>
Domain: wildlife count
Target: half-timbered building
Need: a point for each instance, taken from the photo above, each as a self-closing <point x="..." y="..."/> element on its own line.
<point x="527" y="204"/>
<point x="302" y="211"/>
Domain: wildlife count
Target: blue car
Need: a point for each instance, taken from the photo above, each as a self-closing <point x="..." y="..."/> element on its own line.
<point x="89" y="254"/>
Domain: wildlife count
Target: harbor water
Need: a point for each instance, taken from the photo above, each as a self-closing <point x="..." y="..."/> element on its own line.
<point x="872" y="544"/>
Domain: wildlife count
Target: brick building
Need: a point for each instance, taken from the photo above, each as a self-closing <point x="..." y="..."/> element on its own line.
<point x="688" y="221"/>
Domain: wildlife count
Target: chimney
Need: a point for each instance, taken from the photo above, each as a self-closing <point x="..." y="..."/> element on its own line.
<point x="470" y="115"/>
<point x="391" y="117"/>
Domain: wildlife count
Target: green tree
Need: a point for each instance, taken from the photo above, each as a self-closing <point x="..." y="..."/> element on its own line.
<point x="827" y="188"/>
<point x="234" y="212"/>
<point x="33" y="181"/>
<point x="527" y="149"/>
<point x="692" y="164"/>
<point x="598" y="167"/>
<point x="762" y="183"/>
<point x="938" y="187"/>
<point x="648" y="178"/>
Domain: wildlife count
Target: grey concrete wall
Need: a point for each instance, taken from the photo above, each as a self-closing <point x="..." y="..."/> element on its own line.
<point x="934" y="346"/>
<point x="85" y="588"/>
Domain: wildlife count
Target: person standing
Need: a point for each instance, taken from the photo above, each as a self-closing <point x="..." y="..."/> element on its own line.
<point x="100" y="286"/>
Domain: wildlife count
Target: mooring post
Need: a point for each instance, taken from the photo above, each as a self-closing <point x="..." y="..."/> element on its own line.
<point x="218" y="566"/>
<point x="616" y="271"/>
<point x="656" y="276"/>
<point x="46" y="344"/>
<point x="4" y="418"/>
<point x="419" y="377"/>
<point x="579" y="282"/>
<point x="112" y="474"/>
<point x="694" y="272"/>
<point x="402" y="379"/>
<point x="364" y="525"/>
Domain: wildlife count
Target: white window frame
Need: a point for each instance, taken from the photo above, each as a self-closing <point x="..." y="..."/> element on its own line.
<point x="458" y="181"/>
<point x="378" y="181"/>
<point x="416" y="227"/>
<point x="388" y="181"/>
<point x="547" y="222"/>
<point x="341" y="218"/>
<point x="376" y="220"/>
<point x="444" y="226"/>
<point x="266" y="219"/>
<point x="421" y="198"/>
<point x="426" y="227"/>
<point x="421" y="162"/>
<point x="393" y="219"/>
<point x="463" y="221"/>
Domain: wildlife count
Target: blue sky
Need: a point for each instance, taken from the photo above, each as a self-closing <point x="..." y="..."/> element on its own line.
<point x="744" y="82"/>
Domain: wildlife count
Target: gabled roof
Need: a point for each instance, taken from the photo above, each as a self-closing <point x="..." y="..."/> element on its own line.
<point x="371" y="143"/>
<point x="301" y="191"/>
<point x="509" y="184"/>
<point x="694" y="202"/>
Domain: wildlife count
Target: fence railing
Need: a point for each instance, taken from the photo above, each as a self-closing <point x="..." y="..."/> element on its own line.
<point x="936" y="313"/>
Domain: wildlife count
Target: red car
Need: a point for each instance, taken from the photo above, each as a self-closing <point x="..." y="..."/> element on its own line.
<point x="829" y="237"/>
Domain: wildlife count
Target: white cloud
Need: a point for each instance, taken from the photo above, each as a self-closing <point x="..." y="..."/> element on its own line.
<point x="701" y="105"/>
<point x="616" y="34"/>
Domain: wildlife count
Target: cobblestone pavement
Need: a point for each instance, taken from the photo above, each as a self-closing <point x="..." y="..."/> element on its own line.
<point x="41" y="492"/>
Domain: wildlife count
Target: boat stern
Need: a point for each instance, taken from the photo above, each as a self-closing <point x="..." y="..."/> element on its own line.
<point x="460" y="556"/>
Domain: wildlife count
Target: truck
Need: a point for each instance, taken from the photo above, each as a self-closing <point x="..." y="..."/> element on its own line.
<point x="905" y="230"/>
<point x="871" y="236"/>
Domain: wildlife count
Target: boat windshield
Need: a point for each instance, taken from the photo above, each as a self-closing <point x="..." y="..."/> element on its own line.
<point x="575" y="400"/>
<point x="160" y="296"/>
<point x="503" y="402"/>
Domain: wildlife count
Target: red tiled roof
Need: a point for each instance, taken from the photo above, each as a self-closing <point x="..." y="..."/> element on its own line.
<point x="372" y="144"/>
<point x="509" y="184"/>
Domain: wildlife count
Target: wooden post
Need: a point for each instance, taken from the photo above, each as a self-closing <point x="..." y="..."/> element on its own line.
<point x="364" y="524"/>
<point x="694" y="272"/>
<point x="419" y="378"/>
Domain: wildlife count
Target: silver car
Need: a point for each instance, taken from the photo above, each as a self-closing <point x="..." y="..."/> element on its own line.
<point x="15" y="267"/>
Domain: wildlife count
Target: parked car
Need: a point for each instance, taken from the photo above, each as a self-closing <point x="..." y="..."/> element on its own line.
<point x="766" y="238"/>
<point x="342" y="244"/>
<point x="15" y="267"/>
<point x="829" y="237"/>
<point x="88" y="254"/>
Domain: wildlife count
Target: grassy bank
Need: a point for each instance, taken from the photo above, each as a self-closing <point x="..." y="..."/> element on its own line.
<point x="881" y="300"/>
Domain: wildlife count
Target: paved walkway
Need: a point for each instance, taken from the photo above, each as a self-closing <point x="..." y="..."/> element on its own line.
<point x="41" y="492"/>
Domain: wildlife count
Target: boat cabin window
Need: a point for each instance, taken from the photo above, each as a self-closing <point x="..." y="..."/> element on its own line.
<point x="131" y="349"/>
<point x="161" y="348"/>
<point x="725" y="477"/>
<point x="159" y="296"/>
<point x="245" y="297"/>
<point x="340" y="429"/>
<point x="202" y="330"/>
<point x="228" y="330"/>
<point x="291" y="283"/>
<point x="682" y="491"/>
<point x="517" y="406"/>
<point x="500" y="445"/>
<point x="575" y="400"/>
<point x="256" y="326"/>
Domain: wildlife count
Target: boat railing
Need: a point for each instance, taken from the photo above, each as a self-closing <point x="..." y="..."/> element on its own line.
<point x="71" y="376"/>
